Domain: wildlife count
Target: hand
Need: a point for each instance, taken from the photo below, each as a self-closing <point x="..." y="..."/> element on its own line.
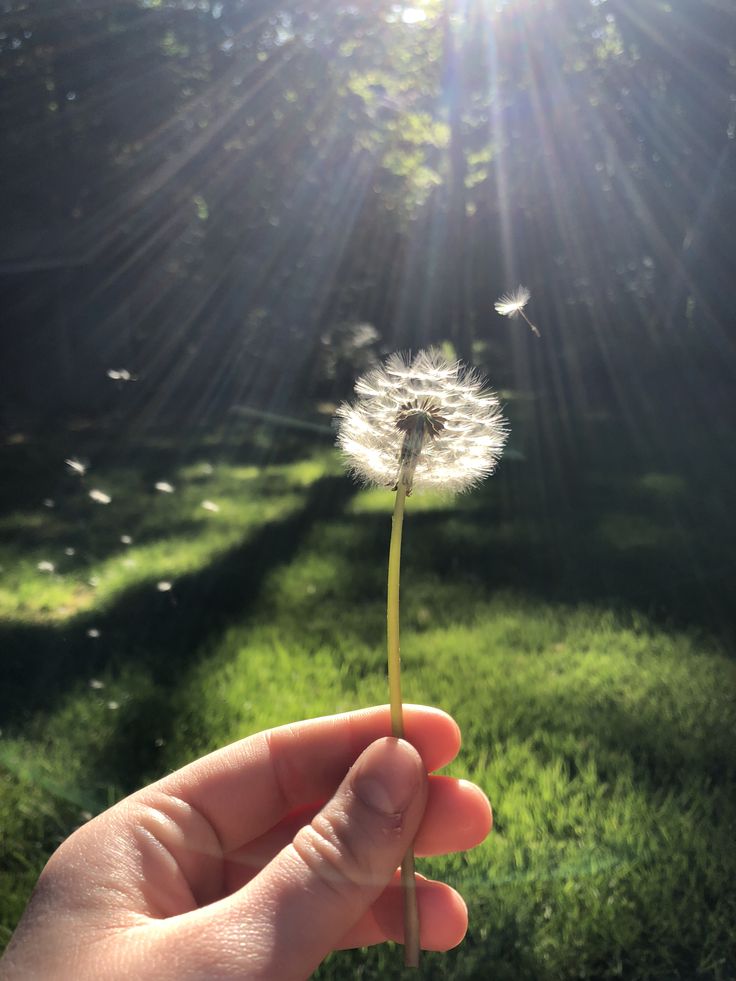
<point x="258" y="860"/>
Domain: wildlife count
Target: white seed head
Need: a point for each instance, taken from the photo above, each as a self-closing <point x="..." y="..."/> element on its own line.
<point x="100" y="496"/>
<point x="511" y="304"/>
<point x="164" y="487"/>
<point x="45" y="566"/>
<point x="164" y="586"/>
<point x="76" y="466"/>
<point x="120" y="374"/>
<point x="459" y="422"/>
<point x="210" y="506"/>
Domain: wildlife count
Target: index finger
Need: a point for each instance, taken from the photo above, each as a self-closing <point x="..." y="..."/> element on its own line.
<point x="247" y="787"/>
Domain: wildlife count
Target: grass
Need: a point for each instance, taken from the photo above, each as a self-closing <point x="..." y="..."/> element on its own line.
<point x="579" y="632"/>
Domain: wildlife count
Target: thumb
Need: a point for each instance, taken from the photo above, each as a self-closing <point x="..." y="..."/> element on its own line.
<point x="305" y="901"/>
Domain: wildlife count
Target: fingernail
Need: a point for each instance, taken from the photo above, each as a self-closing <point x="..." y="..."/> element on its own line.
<point x="386" y="777"/>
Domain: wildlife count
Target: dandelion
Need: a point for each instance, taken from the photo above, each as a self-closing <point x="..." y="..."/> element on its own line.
<point x="120" y="374"/>
<point x="164" y="487"/>
<point x="76" y="466"/>
<point x="45" y="566"/>
<point x="96" y="684"/>
<point x="70" y="551"/>
<point x="49" y="502"/>
<point x="425" y="423"/>
<point x="210" y="506"/>
<point x="99" y="496"/>
<point x="420" y="423"/>
<point x="126" y="540"/>
<point x="113" y="706"/>
<point x="94" y="633"/>
<point x="512" y="305"/>
<point x="164" y="586"/>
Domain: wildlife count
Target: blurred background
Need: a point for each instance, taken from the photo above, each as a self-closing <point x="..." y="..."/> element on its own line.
<point x="216" y="214"/>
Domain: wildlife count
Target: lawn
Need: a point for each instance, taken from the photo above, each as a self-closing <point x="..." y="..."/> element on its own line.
<point x="573" y="613"/>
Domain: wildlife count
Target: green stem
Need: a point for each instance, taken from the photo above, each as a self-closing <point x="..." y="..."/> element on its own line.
<point x="408" y="879"/>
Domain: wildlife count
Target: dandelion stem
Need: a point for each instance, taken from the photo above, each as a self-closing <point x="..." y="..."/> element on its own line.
<point x="408" y="879"/>
<point x="534" y="329"/>
<point x="392" y="613"/>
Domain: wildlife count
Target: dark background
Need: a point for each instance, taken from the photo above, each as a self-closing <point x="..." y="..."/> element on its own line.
<point x="216" y="196"/>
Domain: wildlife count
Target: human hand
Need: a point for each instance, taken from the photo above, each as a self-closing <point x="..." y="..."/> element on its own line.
<point x="258" y="860"/>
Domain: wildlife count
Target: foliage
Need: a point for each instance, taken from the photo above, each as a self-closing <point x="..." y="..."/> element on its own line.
<point x="189" y="189"/>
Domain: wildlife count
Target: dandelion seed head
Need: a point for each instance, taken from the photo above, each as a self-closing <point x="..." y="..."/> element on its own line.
<point x="512" y="303"/>
<point x="164" y="487"/>
<point x="49" y="502"/>
<point x="70" y="551"/>
<point x="164" y="586"/>
<point x="461" y="429"/>
<point x="120" y="374"/>
<point x="94" y="633"/>
<point x="100" y="496"/>
<point x="126" y="539"/>
<point x="46" y="566"/>
<point x="210" y="506"/>
<point x="96" y="684"/>
<point x="113" y="706"/>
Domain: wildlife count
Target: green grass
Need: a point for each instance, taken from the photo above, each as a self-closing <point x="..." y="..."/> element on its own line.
<point x="580" y="639"/>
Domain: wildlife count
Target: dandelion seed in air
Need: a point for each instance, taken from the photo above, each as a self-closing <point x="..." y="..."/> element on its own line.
<point x="164" y="586"/>
<point x="120" y="374"/>
<point x="126" y="540"/>
<point x="100" y="496"/>
<point x="417" y="423"/>
<point x="210" y="506"/>
<point x="94" y="633"/>
<point x="44" y="566"/>
<point x="70" y="551"/>
<point x="512" y="305"/>
<point x="49" y="502"/>
<point x="76" y="466"/>
<point x="164" y="487"/>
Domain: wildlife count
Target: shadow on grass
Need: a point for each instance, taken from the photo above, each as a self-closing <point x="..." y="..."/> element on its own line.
<point x="38" y="469"/>
<point x="161" y="630"/>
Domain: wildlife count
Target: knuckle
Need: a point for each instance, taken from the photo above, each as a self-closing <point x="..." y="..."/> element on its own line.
<point x="331" y="850"/>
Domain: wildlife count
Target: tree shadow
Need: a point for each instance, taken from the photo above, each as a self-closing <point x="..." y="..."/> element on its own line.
<point x="163" y="630"/>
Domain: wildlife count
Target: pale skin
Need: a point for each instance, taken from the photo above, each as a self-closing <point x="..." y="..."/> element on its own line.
<point x="257" y="861"/>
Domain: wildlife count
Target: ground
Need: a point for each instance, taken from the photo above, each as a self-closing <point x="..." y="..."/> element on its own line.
<point x="572" y="614"/>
